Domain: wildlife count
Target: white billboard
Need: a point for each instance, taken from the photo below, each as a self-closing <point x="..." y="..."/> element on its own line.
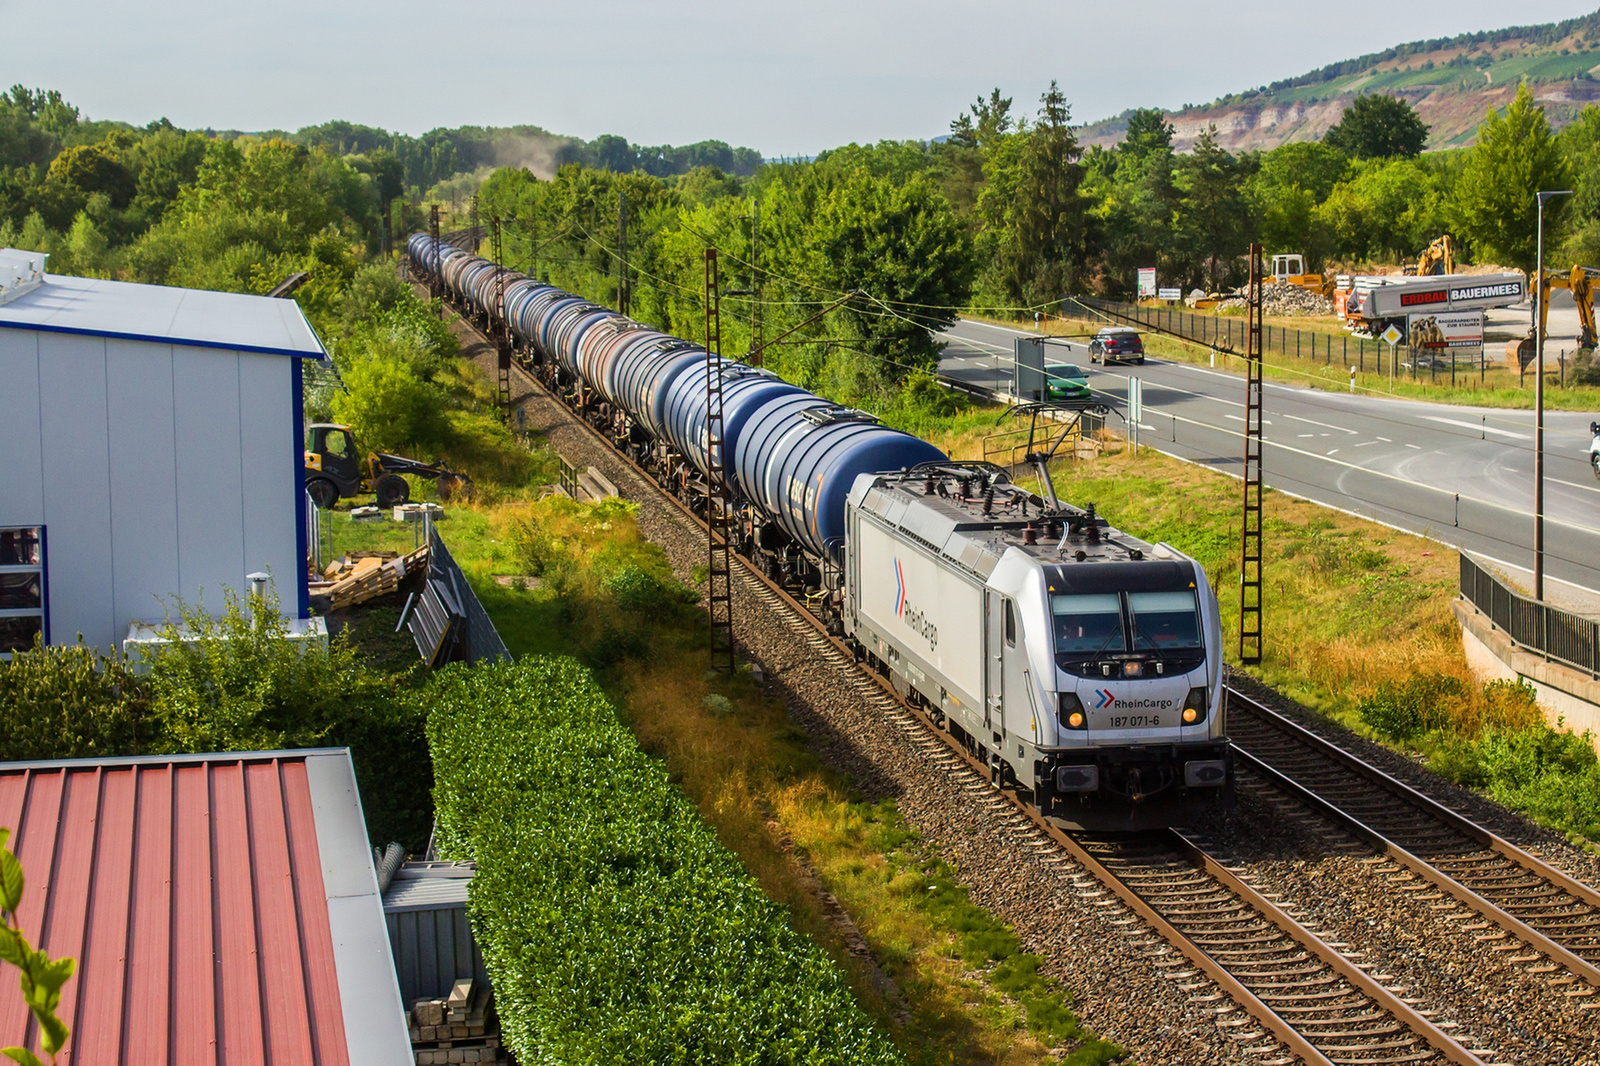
<point x="1147" y="283"/>
<point x="1446" y="336"/>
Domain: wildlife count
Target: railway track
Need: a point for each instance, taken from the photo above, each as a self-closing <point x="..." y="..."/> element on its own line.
<point x="1302" y="998"/>
<point x="1506" y="894"/>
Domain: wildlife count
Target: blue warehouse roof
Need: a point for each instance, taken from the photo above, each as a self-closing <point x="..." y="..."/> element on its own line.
<point x="163" y="315"/>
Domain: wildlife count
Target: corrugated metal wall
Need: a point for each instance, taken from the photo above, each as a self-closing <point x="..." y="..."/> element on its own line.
<point x="433" y="949"/>
<point x="160" y="471"/>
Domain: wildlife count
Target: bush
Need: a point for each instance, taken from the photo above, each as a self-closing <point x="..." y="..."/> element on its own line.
<point x="637" y="589"/>
<point x="68" y="702"/>
<point x="236" y="684"/>
<point x="615" y="927"/>
<point x="1404" y="712"/>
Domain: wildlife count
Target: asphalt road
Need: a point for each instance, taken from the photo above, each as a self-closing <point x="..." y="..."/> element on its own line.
<point x="1459" y="475"/>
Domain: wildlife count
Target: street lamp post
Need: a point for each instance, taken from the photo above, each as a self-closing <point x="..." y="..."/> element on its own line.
<point x="1538" y="403"/>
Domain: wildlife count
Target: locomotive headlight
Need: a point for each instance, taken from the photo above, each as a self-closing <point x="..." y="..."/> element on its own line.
<point x="1194" y="708"/>
<point x="1071" y="712"/>
<point x="1133" y="669"/>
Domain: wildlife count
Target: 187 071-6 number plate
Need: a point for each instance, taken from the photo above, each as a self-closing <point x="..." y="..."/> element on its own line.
<point x="1103" y="720"/>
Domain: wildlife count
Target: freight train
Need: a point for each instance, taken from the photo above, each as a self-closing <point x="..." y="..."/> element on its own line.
<point x="1079" y="663"/>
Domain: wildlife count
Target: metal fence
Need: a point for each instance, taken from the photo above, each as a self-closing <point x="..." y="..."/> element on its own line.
<point x="446" y="619"/>
<point x="1549" y="631"/>
<point x="1227" y="332"/>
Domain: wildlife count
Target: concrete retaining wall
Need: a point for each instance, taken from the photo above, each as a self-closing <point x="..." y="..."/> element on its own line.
<point x="1567" y="696"/>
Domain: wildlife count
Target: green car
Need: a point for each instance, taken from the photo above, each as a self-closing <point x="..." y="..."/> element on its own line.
<point x="1064" y="381"/>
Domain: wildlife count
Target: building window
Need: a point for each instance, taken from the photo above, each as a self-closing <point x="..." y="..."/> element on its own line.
<point x="22" y="592"/>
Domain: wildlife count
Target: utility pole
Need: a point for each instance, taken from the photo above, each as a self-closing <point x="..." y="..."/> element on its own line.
<point x="719" y="572"/>
<point x="1250" y="539"/>
<point x="1540" y="295"/>
<point x="435" y="277"/>
<point x="474" y="223"/>
<point x="502" y="336"/>
<point x="756" y="324"/>
<point x="533" y="241"/>
<point x="624" y="297"/>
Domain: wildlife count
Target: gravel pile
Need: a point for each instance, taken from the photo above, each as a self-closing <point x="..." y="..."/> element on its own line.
<point x="1284" y="299"/>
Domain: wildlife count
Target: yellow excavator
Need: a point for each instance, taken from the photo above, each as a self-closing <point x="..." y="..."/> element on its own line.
<point x="1438" y="258"/>
<point x="1580" y="282"/>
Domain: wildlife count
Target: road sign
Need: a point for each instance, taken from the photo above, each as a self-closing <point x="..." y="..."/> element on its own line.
<point x="1392" y="336"/>
<point x="1169" y="294"/>
<point x="1147" y="282"/>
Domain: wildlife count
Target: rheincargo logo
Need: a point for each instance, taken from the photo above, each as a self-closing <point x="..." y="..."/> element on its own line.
<point x="1104" y="698"/>
<point x="1483" y="292"/>
<point x="918" y="622"/>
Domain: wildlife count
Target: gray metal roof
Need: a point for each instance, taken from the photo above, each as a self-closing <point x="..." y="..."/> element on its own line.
<point x="164" y="315"/>
<point x="428" y="886"/>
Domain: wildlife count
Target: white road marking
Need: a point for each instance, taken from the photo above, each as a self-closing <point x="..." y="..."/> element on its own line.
<point x="1386" y="440"/>
<point x="1334" y="452"/>
<point x="1417" y="447"/>
<point x="1480" y="427"/>
<point x="1324" y="425"/>
<point x="1240" y="418"/>
<point x="1305" y="434"/>
<point x="1366" y="443"/>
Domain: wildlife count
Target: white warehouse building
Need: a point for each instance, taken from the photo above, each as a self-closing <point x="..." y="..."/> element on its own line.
<point x="151" y="452"/>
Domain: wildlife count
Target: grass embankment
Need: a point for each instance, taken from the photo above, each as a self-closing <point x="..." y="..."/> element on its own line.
<point x="960" y="989"/>
<point x="1358" y="627"/>
<point x="1500" y="385"/>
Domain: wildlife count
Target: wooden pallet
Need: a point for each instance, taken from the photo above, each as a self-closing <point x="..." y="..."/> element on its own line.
<point x="362" y="576"/>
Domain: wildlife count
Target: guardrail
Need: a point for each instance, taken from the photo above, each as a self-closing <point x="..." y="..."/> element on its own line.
<point x="1561" y="636"/>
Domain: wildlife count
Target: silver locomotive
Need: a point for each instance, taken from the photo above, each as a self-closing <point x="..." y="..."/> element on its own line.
<point x="1079" y="663"/>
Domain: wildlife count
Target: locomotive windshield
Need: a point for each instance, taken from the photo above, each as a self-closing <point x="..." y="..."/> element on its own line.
<point x="1164" y="621"/>
<point x="1088" y="624"/>
<point x="1110" y="623"/>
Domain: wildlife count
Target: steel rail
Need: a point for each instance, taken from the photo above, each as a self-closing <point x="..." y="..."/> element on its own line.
<point x="1460" y="823"/>
<point x="1523" y="930"/>
<point x="1281" y="1028"/>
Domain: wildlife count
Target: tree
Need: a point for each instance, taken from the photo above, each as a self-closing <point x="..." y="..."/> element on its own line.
<point x="1148" y="131"/>
<point x="1034" y="208"/>
<point x="1376" y="126"/>
<point x="1214" y="216"/>
<point x="1516" y="156"/>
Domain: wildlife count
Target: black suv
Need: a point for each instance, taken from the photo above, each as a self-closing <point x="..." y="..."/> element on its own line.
<point x="1118" y="344"/>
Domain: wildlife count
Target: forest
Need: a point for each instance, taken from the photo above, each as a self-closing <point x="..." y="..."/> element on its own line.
<point x="882" y="245"/>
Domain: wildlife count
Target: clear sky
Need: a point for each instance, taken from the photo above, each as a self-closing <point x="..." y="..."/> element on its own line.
<point x="783" y="78"/>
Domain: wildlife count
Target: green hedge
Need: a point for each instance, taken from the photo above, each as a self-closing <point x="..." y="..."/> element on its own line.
<point x="615" y="927"/>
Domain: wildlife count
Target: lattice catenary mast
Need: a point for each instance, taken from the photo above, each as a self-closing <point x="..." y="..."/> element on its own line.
<point x="719" y="574"/>
<point x="1250" y="541"/>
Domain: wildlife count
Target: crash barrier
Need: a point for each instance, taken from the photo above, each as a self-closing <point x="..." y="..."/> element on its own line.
<point x="445" y="618"/>
<point x="1225" y="332"/>
<point x="1558" y="635"/>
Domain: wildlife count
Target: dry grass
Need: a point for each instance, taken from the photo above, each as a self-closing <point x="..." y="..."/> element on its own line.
<point x="800" y="833"/>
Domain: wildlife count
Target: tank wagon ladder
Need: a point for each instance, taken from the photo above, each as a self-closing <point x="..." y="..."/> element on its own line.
<point x="1250" y="540"/>
<point x="719" y="571"/>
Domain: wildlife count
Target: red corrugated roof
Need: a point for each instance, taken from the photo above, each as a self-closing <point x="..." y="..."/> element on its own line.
<point x="191" y="894"/>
